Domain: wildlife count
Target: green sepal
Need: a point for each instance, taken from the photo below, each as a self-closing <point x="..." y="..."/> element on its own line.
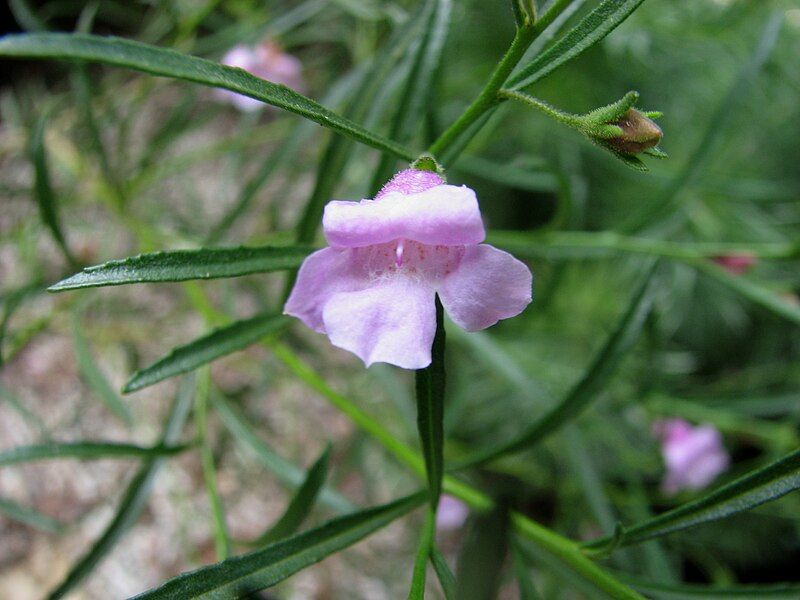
<point x="613" y="111"/>
<point x="524" y="12"/>
<point x="656" y="152"/>
<point x="426" y="162"/>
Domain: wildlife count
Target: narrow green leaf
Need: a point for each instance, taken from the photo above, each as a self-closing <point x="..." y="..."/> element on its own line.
<point x="288" y="473"/>
<point x="582" y="463"/>
<point x="29" y="517"/>
<point x="565" y="10"/>
<point x="588" y="244"/>
<point x="134" y="499"/>
<point x="339" y="151"/>
<point x="183" y="265"/>
<point x="26" y="16"/>
<point x="603" y="366"/>
<point x="602" y="244"/>
<point x="302" y="503"/>
<point x="430" y="384"/>
<point x="590" y="30"/>
<point x="218" y="343"/>
<point x="95" y="378"/>
<point x="751" y="290"/>
<point x="418" y="86"/>
<point x="222" y="543"/>
<point x="446" y="578"/>
<point x="43" y="188"/>
<point x="481" y="557"/>
<point x="85" y="451"/>
<point x="417" y="591"/>
<point x="396" y="447"/>
<point x="660" y="591"/>
<point x="169" y="63"/>
<point x="753" y="489"/>
<point x="527" y="591"/>
<point x="10" y="302"/>
<point x="241" y="575"/>
<point x="652" y="557"/>
<point x="30" y="417"/>
<point x="520" y="18"/>
<point x="565" y="558"/>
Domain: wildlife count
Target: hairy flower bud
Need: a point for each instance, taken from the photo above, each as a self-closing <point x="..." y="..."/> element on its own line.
<point x="639" y="133"/>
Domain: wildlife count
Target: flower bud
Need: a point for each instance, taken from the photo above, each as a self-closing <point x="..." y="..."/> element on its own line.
<point x="639" y="133"/>
<point x="737" y="263"/>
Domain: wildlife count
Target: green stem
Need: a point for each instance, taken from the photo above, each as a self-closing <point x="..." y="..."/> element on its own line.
<point x="221" y="539"/>
<point x="570" y="554"/>
<point x="551" y="111"/>
<point x="604" y="243"/>
<point x="569" y="551"/>
<point x="489" y="98"/>
<point x="417" y="591"/>
<point x="430" y="383"/>
<point x="565" y="549"/>
<point x="403" y="453"/>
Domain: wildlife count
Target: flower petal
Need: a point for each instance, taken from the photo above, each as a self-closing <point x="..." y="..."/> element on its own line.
<point x="488" y="285"/>
<point x="323" y="274"/>
<point x="392" y="321"/>
<point x="444" y="214"/>
<point x="410" y="181"/>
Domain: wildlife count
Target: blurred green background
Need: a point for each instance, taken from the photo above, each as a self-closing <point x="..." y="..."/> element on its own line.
<point x="140" y="163"/>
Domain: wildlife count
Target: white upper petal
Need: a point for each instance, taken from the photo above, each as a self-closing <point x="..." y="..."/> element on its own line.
<point x="442" y="215"/>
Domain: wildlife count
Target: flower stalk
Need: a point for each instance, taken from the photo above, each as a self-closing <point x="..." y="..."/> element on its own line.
<point x="617" y="127"/>
<point x="527" y="31"/>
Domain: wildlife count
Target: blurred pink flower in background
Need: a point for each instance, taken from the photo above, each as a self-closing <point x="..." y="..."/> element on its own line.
<point x="267" y="61"/>
<point x="736" y="264"/>
<point x="451" y="514"/>
<point x="694" y="456"/>
<point x="372" y="290"/>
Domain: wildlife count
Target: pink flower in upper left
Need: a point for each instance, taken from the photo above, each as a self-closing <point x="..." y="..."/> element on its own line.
<point x="267" y="61"/>
<point x="372" y="290"/>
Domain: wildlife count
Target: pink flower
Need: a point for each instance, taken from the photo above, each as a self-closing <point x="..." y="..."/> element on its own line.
<point x="694" y="456"/>
<point x="267" y="61"/>
<point x="451" y="513"/>
<point x="736" y="264"/>
<point x="372" y="290"/>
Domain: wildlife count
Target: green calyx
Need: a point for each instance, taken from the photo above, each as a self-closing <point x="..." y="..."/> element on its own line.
<point x="426" y="162"/>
